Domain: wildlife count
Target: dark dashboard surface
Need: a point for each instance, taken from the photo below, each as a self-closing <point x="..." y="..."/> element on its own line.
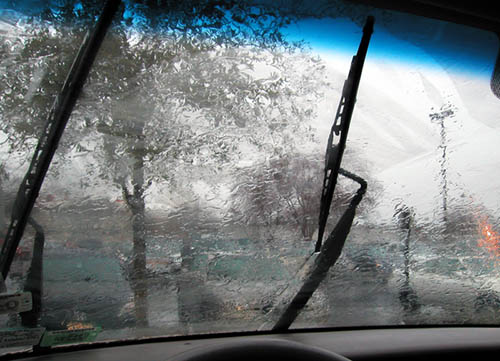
<point x="479" y="343"/>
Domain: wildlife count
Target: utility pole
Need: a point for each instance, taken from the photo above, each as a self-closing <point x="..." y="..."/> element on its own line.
<point x="439" y="119"/>
<point x="404" y="218"/>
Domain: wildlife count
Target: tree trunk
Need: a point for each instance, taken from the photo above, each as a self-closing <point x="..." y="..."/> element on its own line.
<point x="185" y="294"/>
<point x="140" y="286"/>
<point x="3" y="224"/>
<point x="131" y="116"/>
<point x="138" y="275"/>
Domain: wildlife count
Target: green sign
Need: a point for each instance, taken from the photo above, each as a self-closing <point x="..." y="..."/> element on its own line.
<point x="63" y="337"/>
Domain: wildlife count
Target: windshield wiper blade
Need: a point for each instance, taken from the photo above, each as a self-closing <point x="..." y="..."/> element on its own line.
<point x="54" y="128"/>
<point x="340" y="127"/>
<point x="329" y="254"/>
<point x="334" y="244"/>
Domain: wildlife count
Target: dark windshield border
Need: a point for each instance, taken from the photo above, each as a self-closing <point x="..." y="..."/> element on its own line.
<point x="205" y="336"/>
<point x="476" y="14"/>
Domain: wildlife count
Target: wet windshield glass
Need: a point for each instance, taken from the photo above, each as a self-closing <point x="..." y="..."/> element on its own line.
<point x="185" y="192"/>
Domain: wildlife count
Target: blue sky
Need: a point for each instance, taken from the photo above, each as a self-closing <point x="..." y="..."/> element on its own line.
<point x="453" y="47"/>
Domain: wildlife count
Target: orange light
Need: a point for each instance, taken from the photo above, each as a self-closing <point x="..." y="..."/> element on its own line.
<point x="78" y="326"/>
<point x="490" y="239"/>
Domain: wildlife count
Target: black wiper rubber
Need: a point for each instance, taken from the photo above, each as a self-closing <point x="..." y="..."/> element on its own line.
<point x="54" y="128"/>
<point x="341" y="126"/>
<point x="330" y="252"/>
<point x="334" y="244"/>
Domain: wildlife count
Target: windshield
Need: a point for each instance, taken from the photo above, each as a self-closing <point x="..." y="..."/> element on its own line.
<point x="184" y="195"/>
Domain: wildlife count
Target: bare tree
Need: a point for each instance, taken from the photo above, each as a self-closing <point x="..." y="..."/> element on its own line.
<point x="283" y="191"/>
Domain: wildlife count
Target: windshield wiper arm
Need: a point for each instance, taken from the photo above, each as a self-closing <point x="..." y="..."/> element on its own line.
<point x="34" y="279"/>
<point x="340" y="127"/>
<point x="329" y="254"/>
<point x="54" y="128"/>
<point x="334" y="244"/>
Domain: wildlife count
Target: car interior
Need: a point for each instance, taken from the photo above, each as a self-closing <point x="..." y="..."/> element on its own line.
<point x="287" y="334"/>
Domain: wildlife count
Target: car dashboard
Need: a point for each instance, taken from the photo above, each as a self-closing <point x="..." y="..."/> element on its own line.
<point x="415" y="343"/>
